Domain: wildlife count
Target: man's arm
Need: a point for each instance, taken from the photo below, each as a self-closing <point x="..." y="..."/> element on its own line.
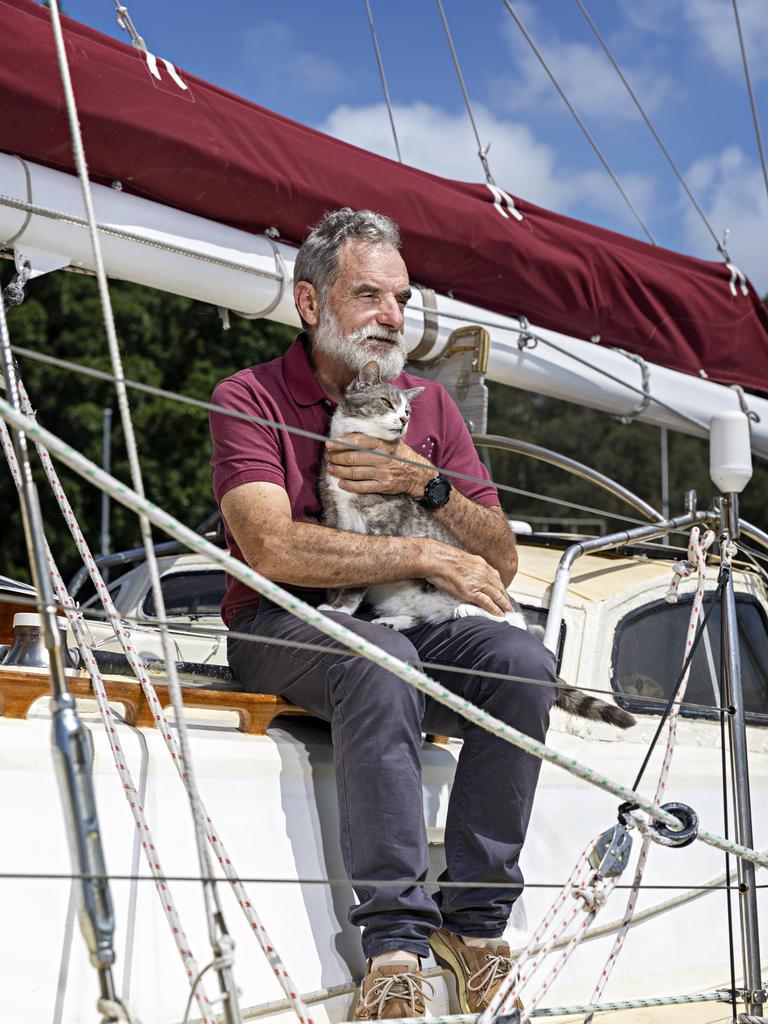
<point x="480" y="529"/>
<point x="259" y="516"/>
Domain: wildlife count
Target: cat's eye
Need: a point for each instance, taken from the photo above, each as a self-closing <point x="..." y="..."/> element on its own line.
<point x="386" y="401"/>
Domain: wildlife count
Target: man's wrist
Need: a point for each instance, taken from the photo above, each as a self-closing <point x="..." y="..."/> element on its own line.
<point x="422" y="476"/>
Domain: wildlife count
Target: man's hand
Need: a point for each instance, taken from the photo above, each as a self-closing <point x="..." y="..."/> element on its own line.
<point x="365" y="473"/>
<point x="468" y="577"/>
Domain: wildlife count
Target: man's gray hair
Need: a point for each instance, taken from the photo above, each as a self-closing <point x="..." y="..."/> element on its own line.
<point x="318" y="258"/>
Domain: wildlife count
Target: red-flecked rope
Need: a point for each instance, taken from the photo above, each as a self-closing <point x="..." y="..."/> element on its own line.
<point x="129" y="788"/>
<point x="585" y="882"/>
<point x="697" y="555"/>
<point x="588" y="891"/>
<point x="137" y="665"/>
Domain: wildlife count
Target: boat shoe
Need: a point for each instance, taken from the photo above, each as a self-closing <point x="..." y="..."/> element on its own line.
<point x="392" y="990"/>
<point x="478" y="970"/>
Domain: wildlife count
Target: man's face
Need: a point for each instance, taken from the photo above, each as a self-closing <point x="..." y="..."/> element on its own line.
<point x="362" y="317"/>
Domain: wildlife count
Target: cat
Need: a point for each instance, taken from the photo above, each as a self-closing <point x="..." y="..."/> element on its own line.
<point x="377" y="409"/>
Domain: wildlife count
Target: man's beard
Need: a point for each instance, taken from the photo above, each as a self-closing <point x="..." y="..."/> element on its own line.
<point x="355" y="350"/>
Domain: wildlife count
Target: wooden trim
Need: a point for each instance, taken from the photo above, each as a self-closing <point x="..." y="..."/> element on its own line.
<point x="256" y="711"/>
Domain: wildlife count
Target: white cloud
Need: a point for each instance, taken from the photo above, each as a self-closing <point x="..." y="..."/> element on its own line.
<point x="585" y="75"/>
<point x="272" y="44"/>
<point x="443" y="143"/>
<point x="732" y="193"/>
<point x="714" y="28"/>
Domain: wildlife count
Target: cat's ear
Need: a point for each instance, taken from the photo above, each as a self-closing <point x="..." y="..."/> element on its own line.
<point x="369" y="376"/>
<point x="412" y="393"/>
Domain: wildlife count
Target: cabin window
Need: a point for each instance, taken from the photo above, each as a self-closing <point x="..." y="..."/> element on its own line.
<point x="648" y="656"/>
<point x="95" y="601"/>
<point x="188" y="594"/>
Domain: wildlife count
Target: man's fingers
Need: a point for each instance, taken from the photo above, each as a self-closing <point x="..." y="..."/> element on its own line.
<point x="361" y="486"/>
<point x="488" y="604"/>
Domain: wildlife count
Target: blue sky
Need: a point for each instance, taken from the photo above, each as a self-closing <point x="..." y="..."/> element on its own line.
<point x="314" y="62"/>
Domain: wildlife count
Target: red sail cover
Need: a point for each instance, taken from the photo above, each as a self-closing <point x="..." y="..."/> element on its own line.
<point x="176" y="139"/>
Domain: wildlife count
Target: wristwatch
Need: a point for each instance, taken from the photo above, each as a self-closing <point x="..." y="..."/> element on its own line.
<point x="436" y="493"/>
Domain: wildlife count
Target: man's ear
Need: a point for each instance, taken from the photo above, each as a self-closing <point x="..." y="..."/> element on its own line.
<point x="412" y="393"/>
<point x="306" y="298"/>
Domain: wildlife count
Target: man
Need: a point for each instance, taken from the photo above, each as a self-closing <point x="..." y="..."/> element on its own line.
<point x="350" y="288"/>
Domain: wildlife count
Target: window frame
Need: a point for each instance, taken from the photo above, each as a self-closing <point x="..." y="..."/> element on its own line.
<point x="177" y="616"/>
<point x="637" y="705"/>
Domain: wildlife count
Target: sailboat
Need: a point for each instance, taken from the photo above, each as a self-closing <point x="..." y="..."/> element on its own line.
<point x="505" y="291"/>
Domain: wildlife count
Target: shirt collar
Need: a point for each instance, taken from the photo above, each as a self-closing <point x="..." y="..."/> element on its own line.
<point x="299" y="375"/>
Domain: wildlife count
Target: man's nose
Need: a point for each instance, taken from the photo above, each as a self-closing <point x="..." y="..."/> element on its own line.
<point x="391" y="314"/>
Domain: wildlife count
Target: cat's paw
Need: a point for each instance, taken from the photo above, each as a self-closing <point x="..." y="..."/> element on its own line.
<point x="463" y="611"/>
<point x="395" y="621"/>
<point x="511" y="618"/>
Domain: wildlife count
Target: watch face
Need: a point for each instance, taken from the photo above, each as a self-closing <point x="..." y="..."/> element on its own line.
<point x="438" y="491"/>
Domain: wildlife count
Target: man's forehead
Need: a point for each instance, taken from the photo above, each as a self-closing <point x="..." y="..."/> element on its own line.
<point x="378" y="262"/>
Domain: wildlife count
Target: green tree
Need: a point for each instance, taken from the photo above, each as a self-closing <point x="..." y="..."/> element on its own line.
<point x="180" y="345"/>
<point x="165" y="340"/>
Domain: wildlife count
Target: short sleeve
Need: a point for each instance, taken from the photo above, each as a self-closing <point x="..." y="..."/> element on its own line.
<point x="460" y="456"/>
<point x="244" y="451"/>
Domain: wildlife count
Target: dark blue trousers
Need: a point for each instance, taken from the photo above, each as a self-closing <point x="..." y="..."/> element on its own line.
<point x="377" y="722"/>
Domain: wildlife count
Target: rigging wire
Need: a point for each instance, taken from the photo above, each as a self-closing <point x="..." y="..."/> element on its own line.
<point x="726" y="833"/>
<point x="383" y="883"/>
<point x="90" y="371"/>
<point x="579" y="122"/>
<point x="96" y="615"/>
<point x="482" y="151"/>
<point x="125" y="22"/>
<point x="678" y="684"/>
<point x="383" y="77"/>
<point x="131" y="499"/>
<point x="528" y="333"/>
<point x="105" y="229"/>
<point x="212" y="632"/>
<point x="720" y="247"/>
<point x="750" y="91"/>
<point x="217" y="931"/>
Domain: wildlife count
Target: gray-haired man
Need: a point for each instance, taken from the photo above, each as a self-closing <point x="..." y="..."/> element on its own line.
<point x="351" y="287"/>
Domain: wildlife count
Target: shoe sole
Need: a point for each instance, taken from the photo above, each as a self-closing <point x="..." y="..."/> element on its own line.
<point x="447" y="957"/>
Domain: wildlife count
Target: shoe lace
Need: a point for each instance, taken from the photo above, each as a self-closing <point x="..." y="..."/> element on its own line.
<point x="408" y="986"/>
<point x="493" y="971"/>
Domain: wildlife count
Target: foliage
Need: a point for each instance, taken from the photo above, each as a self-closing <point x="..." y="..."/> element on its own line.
<point x="180" y="345"/>
<point x="165" y="340"/>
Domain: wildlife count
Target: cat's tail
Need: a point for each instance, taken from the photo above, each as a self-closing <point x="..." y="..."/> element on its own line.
<point x="584" y="705"/>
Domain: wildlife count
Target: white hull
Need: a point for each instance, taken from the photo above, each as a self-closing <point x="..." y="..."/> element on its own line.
<point x="273" y="800"/>
<point x="56" y="242"/>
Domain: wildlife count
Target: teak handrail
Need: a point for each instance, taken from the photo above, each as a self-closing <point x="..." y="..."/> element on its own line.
<point x="20" y="688"/>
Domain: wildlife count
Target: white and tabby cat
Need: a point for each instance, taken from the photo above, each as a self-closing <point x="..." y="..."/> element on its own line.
<point x="377" y="409"/>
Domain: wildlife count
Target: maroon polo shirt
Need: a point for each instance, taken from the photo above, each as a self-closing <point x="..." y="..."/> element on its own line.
<point x="286" y="390"/>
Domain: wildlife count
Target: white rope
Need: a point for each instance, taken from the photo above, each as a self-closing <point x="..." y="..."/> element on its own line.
<point x="139" y="669"/>
<point x="129" y="788"/>
<point x="697" y="562"/>
<point x="240" y="571"/>
<point x="214" y="915"/>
